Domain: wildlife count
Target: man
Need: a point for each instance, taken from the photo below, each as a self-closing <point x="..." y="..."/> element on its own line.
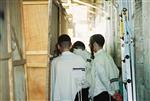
<point x="79" y="48"/>
<point x="103" y="71"/>
<point x="67" y="72"/>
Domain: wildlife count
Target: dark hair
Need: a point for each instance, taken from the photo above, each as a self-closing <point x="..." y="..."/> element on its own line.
<point x="99" y="39"/>
<point x="79" y="45"/>
<point x="64" y="40"/>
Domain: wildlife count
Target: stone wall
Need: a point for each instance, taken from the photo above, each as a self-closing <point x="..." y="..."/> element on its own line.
<point x="139" y="43"/>
<point x="142" y="49"/>
<point x="146" y="47"/>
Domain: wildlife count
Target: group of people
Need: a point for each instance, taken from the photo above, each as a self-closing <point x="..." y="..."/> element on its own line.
<point x="79" y="75"/>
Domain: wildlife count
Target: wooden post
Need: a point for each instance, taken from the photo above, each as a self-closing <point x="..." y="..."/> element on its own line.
<point x="49" y="44"/>
<point x="4" y="56"/>
<point x="10" y="67"/>
<point x="35" y="22"/>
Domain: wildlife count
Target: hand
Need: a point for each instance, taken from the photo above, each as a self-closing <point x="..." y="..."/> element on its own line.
<point x="117" y="96"/>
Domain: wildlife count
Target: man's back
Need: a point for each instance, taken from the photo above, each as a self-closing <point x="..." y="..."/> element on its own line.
<point x="67" y="74"/>
<point x="111" y="69"/>
<point x="83" y="53"/>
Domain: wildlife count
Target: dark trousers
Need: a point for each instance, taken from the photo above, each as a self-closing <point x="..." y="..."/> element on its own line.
<point x="83" y="95"/>
<point x="104" y="96"/>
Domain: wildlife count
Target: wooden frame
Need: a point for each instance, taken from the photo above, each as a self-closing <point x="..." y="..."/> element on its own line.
<point x="35" y="2"/>
<point x="36" y="52"/>
<point x="32" y="53"/>
<point x="19" y="62"/>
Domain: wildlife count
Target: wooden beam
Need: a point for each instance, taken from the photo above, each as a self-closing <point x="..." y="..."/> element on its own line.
<point x="8" y="56"/>
<point x="19" y="62"/>
<point x="36" y="65"/>
<point x="36" y="53"/>
<point x="17" y="41"/>
<point x="10" y="67"/>
<point x="35" y="3"/>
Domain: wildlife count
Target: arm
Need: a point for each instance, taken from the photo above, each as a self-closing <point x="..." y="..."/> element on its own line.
<point x="103" y="77"/>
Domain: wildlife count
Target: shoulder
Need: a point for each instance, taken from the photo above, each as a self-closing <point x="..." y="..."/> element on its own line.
<point x="78" y="57"/>
<point x="55" y="60"/>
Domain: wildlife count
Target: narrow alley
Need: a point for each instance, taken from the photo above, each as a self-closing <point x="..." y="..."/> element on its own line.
<point x="29" y="31"/>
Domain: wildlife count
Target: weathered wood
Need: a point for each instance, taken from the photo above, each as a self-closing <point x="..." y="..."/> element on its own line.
<point x="7" y="56"/>
<point x="49" y="44"/>
<point x="17" y="74"/>
<point x="19" y="62"/>
<point x="23" y="50"/>
<point x="10" y="67"/>
<point x="4" y="80"/>
<point x="13" y="35"/>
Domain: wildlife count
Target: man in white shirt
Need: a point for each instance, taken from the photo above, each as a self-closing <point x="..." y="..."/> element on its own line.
<point x="103" y="71"/>
<point x="79" y="48"/>
<point x="67" y="72"/>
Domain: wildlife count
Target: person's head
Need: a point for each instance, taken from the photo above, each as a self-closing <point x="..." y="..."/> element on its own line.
<point x="78" y="45"/>
<point x="64" y="42"/>
<point x="96" y="42"/>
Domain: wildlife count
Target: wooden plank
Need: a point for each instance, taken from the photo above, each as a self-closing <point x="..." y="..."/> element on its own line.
<point x="36" y="52"/>
<point x="16" y="39"/>
<point x="37" y="59"/>
<point x="36" y="37"/>
<point x="24" y="55"/>
<point x="19" y="62"/>
<point x="35" y="3"/>
<point x="36" y="27"/>
<point x="4" y="80"/>
<point x="10" y="68"/>
<point x="19" y="84"/>
<point x="37" y="84"/>
<point x="7" y="56"/>
<point x="36" y="65"/>
<point x="49" y="44"/>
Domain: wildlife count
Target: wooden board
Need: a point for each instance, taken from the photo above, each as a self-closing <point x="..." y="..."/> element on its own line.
<point x="37" y="85"/>
<point x="36" y="48"/>
<point x="19" y="83"/>
<point x="36" y="27"/>
<point x="17" y="72"/>
<point x="3" y="52"/>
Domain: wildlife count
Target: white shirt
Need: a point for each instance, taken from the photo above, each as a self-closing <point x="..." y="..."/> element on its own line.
<point x="85" y="55"/>
<point x="65" y="81"/>
<point x="103" y="70"/>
